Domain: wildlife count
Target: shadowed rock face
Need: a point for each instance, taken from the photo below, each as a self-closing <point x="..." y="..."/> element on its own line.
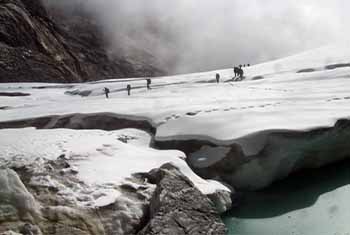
<point x="34" y="47"/>
<point x="177" y="207"/>
<point x="102" y="121"/>
<point x="13" y="94"/>
<point x="31" y="45"/>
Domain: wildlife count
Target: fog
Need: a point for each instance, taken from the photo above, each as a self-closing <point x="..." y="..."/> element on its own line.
<point x="200" y="35"/>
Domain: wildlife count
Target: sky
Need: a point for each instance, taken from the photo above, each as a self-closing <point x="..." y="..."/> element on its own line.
<point x="201" y="35"/>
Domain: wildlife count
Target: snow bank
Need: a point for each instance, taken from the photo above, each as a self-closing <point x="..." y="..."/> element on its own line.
<point x="192" y="107"/>
<point x="101" y="158"/>
<point x="189" y="107"/>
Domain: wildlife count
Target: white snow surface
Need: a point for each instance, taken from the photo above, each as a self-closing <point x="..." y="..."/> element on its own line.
<point x="103" y="161"/>
<point x="225" y="112"/>
<point x="188" y="106"/>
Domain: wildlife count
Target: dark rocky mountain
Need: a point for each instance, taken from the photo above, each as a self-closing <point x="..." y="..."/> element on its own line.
<point x="38" y="44"/>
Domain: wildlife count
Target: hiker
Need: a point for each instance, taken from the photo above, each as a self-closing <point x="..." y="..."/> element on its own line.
<point x="240" y="66"/>
<point x="149" y="81"/>
<point x="128" y="88"/>
<point x="248" y="65"/>
<point x="241" y="73"/>
<point x="106" y="90"/>
<point x="217" y="78"/>
<point x="238" y="74"/>
<point x="237" y="71"/>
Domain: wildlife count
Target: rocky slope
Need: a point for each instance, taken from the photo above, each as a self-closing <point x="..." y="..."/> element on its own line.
<point x="34" y="47"/>
<point x="45" y="197"/>
<point x="177" y="207"/>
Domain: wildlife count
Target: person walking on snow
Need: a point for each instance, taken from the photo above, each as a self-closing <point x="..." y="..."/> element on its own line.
<point x="241" y="73"/>
<point x="237" y="71"/>
<point x="149" y="83"/>
<point x="128" y="88"/>
<point x="106" y="91"/>
<point x="217" y="78"/>
<point x="238" y="74"/>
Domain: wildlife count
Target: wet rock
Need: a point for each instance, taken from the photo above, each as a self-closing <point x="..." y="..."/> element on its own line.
<point x="222" y="200"/>
<point x="177" y="207"/>
<point x="29" y="229"/>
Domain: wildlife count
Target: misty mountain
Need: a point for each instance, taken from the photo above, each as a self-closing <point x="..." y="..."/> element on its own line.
<point x="44" y="43"/>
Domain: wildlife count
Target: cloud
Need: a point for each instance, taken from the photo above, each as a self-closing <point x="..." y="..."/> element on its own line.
<point x="199" y="35"/>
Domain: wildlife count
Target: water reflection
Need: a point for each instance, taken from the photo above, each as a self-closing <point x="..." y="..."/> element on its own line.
<point x="302" y="204"/>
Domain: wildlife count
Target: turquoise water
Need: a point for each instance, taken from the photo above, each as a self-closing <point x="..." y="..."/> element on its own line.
<point x="316" y="202"/>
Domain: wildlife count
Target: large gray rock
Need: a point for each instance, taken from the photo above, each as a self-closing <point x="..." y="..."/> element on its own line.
<point x="51" y="189"/>
<point x="178" y="207"/>
<point x="15" y="200"/>
<point x="222" y="200"/>
<point x="45" y="197"/>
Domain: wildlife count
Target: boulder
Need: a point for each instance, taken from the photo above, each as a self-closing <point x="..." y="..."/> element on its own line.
<point x="15" y="200"/>
<point x="178" y="207"/>
<point x="222" y="200"/>
<point x="36" y="198"/>
<point x="65" y="204"/>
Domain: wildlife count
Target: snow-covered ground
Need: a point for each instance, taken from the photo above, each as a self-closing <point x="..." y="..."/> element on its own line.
<point x="188" y="106"/>
<point x="300" y="92"/>
<point x="193" y="106"/>
<point x="103" y="160"/>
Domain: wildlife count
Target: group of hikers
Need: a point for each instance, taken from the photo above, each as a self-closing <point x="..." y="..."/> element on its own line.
<point x="128" y="88"/>
<point x="238" y="76"/>
<point x="238" y="71"/>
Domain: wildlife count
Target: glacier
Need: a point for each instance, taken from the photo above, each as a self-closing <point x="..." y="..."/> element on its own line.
<point x="285" y="116"/>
